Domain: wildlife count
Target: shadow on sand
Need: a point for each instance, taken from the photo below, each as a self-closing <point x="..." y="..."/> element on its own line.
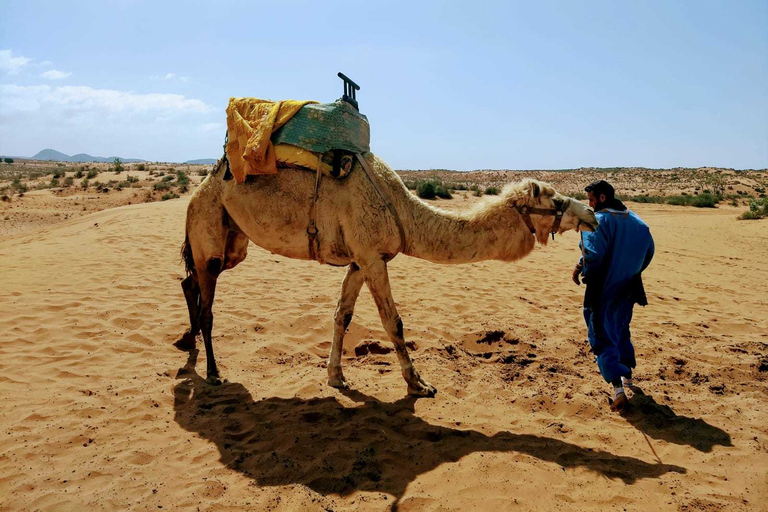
<point x="660" y="422"/>
<point x="374" y="446"/>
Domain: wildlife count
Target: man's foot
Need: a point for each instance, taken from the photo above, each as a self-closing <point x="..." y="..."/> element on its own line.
<point x="619" y="403"/>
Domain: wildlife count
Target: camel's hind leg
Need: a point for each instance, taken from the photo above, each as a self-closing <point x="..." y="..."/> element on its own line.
<point x="207" y="279"/>
<point x="350" y="289"/>
<point x="378" y="282"/>
<point x="192" y="295"/>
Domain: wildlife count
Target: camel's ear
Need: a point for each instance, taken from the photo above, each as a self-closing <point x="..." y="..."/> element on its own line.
<point x="535" y="189"/>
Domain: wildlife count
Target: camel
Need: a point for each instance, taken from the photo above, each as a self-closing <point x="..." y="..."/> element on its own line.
<point x="357" y="228"/>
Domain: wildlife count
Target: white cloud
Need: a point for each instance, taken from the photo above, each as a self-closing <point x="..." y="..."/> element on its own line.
<point x="171" y="76"/>
<point x="12" y="64"/>
<point x="54" y="74"/>
<point x="83" y="99"/>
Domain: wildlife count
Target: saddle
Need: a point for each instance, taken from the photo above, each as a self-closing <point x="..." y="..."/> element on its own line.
<point x="263" y="136"/>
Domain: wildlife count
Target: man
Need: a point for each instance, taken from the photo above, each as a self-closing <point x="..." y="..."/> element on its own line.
<point x="613" y="258"/>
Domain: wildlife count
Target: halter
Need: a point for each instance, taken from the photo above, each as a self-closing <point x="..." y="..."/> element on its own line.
<point x="526" y="211"/>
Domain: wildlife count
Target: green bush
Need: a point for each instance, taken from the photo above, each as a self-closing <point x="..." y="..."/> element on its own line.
<point x="182" y="179"/>
<point x="92" y="173"/>
<point x="161" y="185"/>
<point x="426" y="190"/>
<point x="202" y="172"/>
<point x="132" y="179"/>
<point x="442" y="192"/>
<point x="118" y="166"/>
<point x="141" y="167"/>
<point x="8" y="160"/>
<point x="170" y="195"/>
<point x="492" y="191"/>
<point x="168" y="178"/>
<point x="68" y="182"/>
<point x="758" y="209"/>
<point x="79" y="173"/>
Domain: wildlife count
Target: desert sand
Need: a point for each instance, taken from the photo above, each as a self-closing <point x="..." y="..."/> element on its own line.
<point x="101" y="412"/>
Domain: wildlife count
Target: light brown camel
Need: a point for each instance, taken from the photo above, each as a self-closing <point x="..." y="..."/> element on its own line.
<point x="355" y="229"/>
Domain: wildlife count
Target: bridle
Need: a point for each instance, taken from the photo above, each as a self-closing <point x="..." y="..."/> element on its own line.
<point x="526" y="211"/>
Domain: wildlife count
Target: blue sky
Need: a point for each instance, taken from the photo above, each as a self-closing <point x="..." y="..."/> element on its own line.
<point x="457" y="85"/>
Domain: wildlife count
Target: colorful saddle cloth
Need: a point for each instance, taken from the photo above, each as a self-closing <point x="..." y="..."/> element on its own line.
<point x="263" y="135"/>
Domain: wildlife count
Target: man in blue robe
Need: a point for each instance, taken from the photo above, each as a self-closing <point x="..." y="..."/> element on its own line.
<point x="613" y="258"/>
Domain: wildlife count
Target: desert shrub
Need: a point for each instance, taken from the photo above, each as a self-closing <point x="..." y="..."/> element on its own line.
<point x="18" y="185"/>
<point x="118" y="166"/>
<point x="758" y="209"/>
<point x="706" y="200"/>
<point x="459" y="186"/>
<point x="168" y="178"/>
<point x="478" y="193"/>
<point x="170" y="195"/>
<point x="426" y="190"/>
<point x="183" y="189"/>
<point x="58" y="173"/>
<point x="141" y="167"/>
<point x="132" y="179"/>
<point x="54" y="182"/>
<point x="79" y="173"/>
<point x="181" y="178"/>
<point x="644" y="199"/>
<point x="84" y="184"/>
<point x="161" y="185"/>
<point x="442" y="192"/>
<point x="492" y="191"/>
<point x="8" y="160"/>
<point x="202" y="172"/>
<point x="68" y="182"/>
<point x="92" y="173"/>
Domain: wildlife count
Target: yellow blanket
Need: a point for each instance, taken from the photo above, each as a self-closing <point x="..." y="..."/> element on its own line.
<point x="250" y="124"/>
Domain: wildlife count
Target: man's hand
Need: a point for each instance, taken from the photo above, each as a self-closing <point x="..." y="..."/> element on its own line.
<point x="576" y="273"/>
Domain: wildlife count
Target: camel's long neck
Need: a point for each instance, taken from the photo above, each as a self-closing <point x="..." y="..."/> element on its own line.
<point x="445" y="237"/>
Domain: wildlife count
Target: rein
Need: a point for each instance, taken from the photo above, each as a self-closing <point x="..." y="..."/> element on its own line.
<point x="526" y="211"/>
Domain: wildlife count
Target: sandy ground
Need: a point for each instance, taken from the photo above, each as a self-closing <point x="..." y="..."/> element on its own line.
<point x="101" y="412"/>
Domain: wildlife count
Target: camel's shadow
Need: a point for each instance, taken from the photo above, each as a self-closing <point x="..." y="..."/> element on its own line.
<point x="660" y="422"/>
<point x="375" y="446"/>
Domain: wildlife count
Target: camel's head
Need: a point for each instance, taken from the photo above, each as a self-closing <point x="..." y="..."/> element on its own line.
<point x="539" y="205"/>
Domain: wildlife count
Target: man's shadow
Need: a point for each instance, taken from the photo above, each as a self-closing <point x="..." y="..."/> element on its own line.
<point x="660" y="422"/>
<point x="375" y="446"/>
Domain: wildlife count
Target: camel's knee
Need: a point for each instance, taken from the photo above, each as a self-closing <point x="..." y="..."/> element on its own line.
<point x="343" y="318"/>
<point x="215" y="266"/>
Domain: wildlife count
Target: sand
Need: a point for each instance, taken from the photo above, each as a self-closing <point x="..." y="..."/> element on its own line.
<point x="101" y="412"/>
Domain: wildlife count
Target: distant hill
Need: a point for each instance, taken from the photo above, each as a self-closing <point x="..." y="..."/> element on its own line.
<point x="57" y="156"/>
<point x="202" y="161"/>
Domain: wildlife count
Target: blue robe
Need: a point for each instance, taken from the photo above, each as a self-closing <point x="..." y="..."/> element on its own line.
<point x="613" y="257"/>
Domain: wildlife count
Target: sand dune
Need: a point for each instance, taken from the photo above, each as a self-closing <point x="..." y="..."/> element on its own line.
<point x="101" y="412"/>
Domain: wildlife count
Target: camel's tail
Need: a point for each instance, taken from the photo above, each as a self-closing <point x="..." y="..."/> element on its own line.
<point x="186" y="256"/>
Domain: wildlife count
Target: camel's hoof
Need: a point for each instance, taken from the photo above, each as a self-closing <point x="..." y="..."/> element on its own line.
<point x="187" y="342"/>
<point x="339" y="383"/>
<point x="423" y="389"/>
<point x="213" y="380"/>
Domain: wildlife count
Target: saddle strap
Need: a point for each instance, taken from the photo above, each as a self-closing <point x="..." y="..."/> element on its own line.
<point x="384" y="197"/>
<point x="314" y="243"/>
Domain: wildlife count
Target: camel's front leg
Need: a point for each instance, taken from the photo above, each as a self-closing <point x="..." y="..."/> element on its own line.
<point x="377" y="278"/>
<point x="350" y="289"/>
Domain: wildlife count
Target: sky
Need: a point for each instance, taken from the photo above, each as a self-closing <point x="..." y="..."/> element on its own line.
<point x="444" y="84"/>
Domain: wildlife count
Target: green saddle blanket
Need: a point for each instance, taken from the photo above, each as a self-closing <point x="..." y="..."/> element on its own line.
<point x="322" y="127"/>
